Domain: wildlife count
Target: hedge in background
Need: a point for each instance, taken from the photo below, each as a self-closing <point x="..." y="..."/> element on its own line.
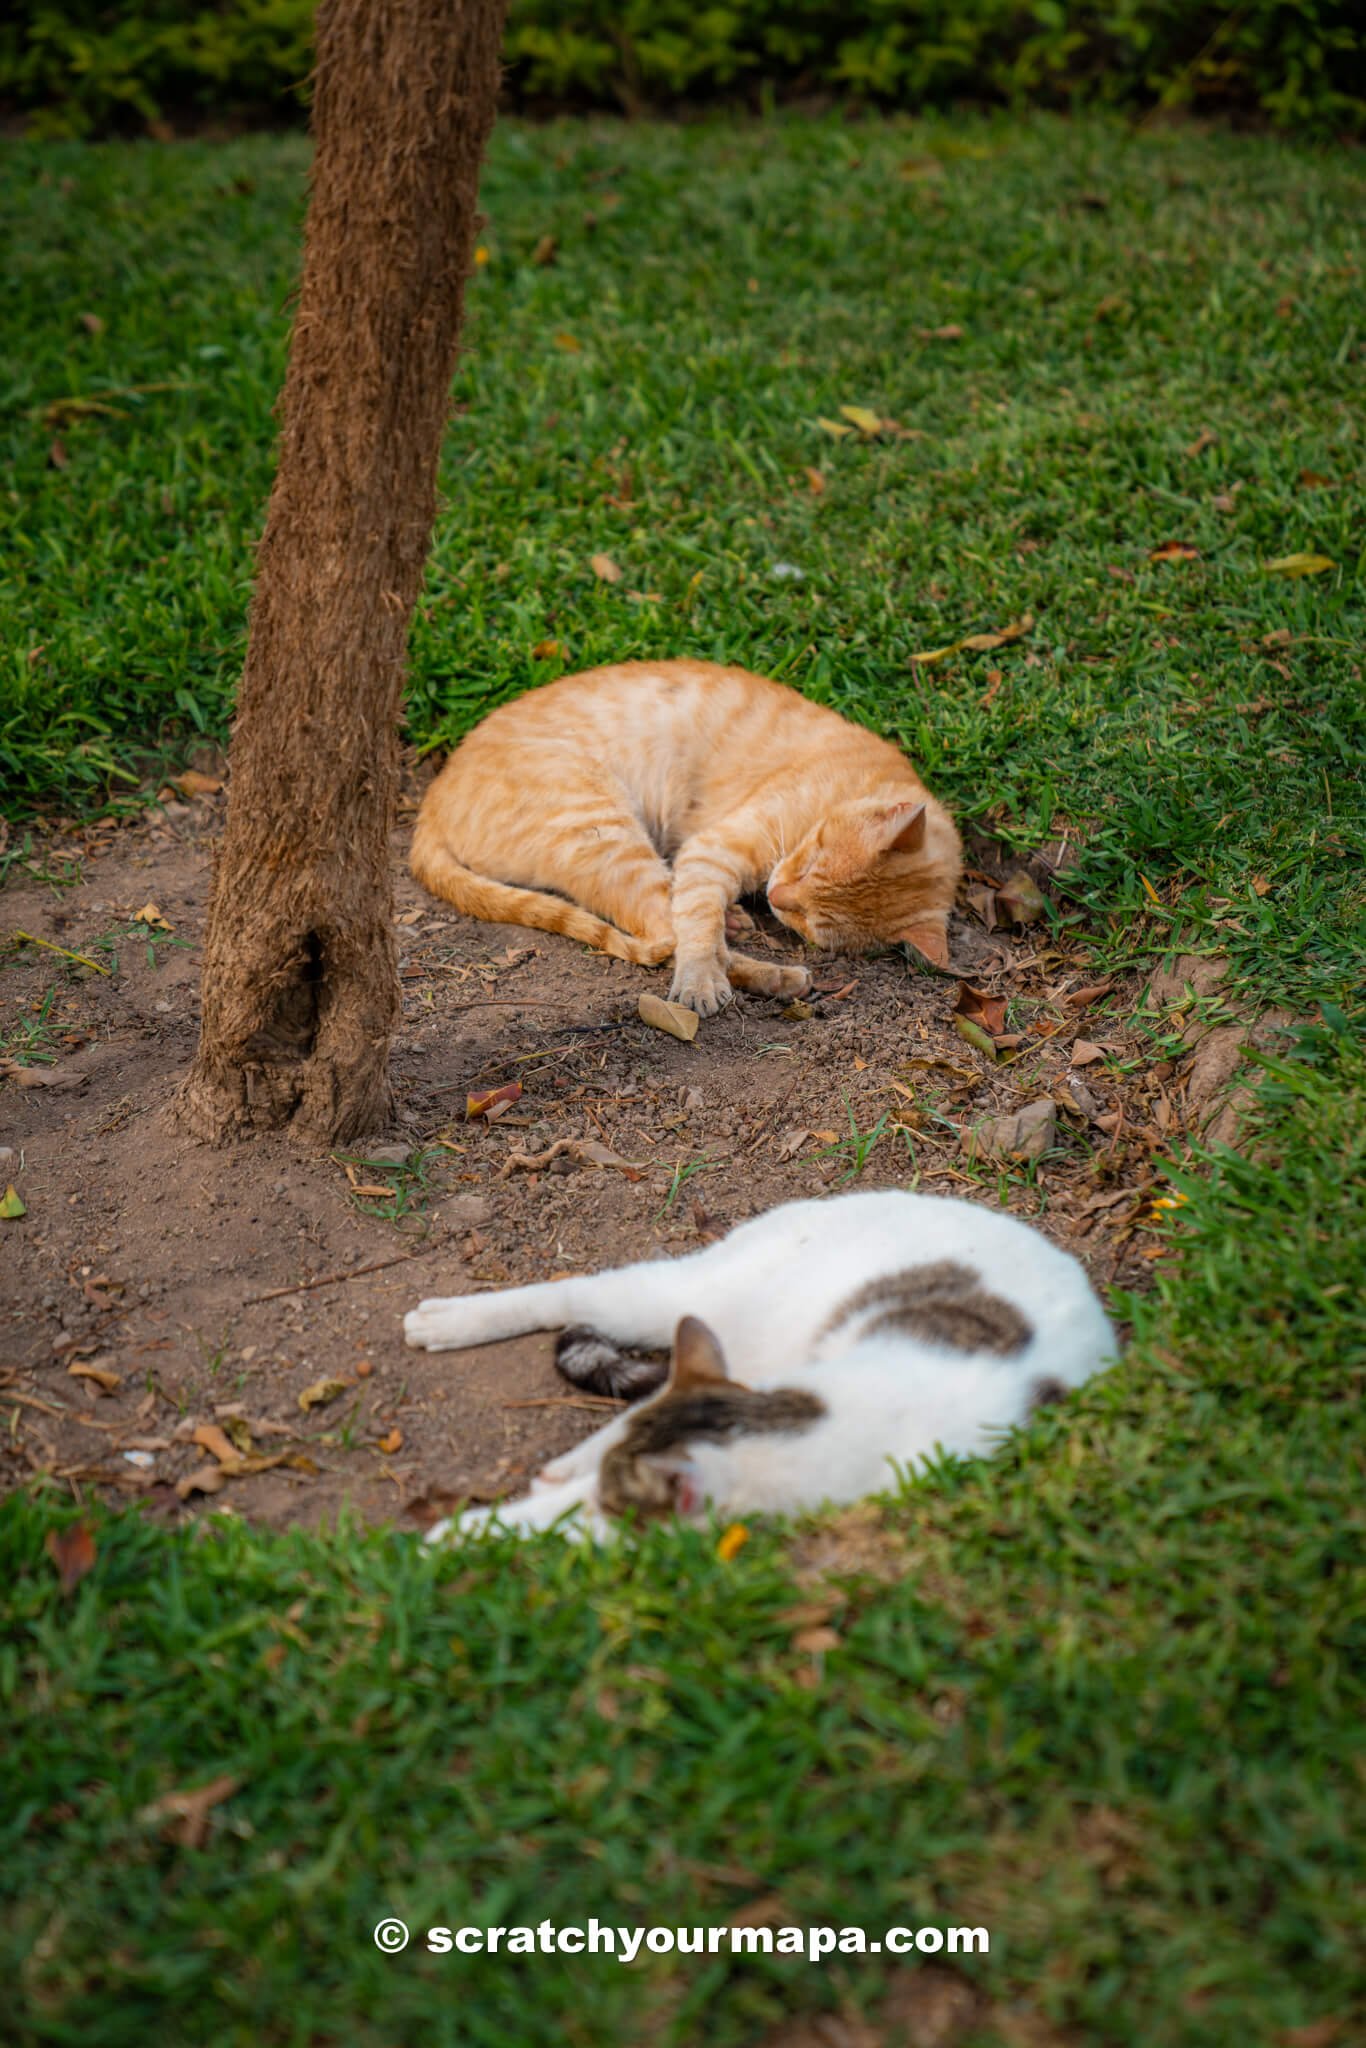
<point x="92" y="65"/>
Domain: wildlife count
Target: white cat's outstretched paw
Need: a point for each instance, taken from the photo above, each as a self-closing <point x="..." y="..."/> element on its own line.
<point x="438" y="1325"/>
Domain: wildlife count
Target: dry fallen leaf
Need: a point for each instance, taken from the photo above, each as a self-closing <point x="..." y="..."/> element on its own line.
<point x="982" y="643"/>
<point x="867" y="422"/>
<point x="791" y="1142"/>
<point x="605" y="569"/>
<point x="190" y="1810"/>
<point x="598" y="1154"/>
<point x="1020" y="898"/>
<point x="545" y="251"/>
<point x="1085" y="1054"/>
<point x="191" y="783"/>
<point x="1174" y="551"/>
<point x="569" y="343"/>
<point x="151" y="917"/>
<point x="949" y="333"/>
<point x="215" y="1441"/>
<point x="986" y="1010"/>
<point x="57" y="456"/>
<point x="73" y="1552"/>
<point x="1299" y="565"/>
<point x="675" y="1018"/>
<point x="983" y="902"/>
<point x="207" y="1479"/>
<point x="488" y="1103"/>
<point x="108" y="1382"/>
<point x="978" y="643"/>
<point x="12" y="1206"/>
<point x="815" y="481"/>
<point x="1203" y="440"/>
<point x="1026" y="1134"/>
<point x="548" y="650"/>
<point x="816" y="1640"/>
<point x="321" y="1392"/>
<point x="391" y="1443"/>
<point x="1080" y="998"/>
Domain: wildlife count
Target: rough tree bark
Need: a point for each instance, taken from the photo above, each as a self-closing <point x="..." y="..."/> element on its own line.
<point x="300" y="980"/>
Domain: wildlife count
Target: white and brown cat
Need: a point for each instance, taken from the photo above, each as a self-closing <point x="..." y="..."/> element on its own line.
<point x="866" y="1333"/>
<point x="649" y="796"/>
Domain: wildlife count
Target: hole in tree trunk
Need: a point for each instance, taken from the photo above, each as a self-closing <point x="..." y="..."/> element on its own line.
<point x="293" y="1025"/>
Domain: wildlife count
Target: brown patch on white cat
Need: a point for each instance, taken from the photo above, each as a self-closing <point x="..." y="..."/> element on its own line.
<point x="629" y="807"/>
<point x="943" y="1303"/>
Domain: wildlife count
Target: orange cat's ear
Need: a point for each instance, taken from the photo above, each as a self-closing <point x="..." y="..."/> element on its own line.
<point x="929" y="939"/>
<point x="698" y="1360"/>
<point x="899" y="828"/>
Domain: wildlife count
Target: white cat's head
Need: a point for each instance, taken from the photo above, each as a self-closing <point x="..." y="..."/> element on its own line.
<point x="876" y="871"/>
<point x="659" y="1466"/>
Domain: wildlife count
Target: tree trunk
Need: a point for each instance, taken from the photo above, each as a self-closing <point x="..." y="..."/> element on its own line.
<point x="300" y="981"/>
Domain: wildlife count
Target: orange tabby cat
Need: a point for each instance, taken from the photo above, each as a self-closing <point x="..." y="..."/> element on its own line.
<point x="592" y="784"/>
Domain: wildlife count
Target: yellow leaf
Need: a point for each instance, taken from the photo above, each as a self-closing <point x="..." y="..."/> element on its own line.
<point x="547" y="650"/>
<point x="866" y="422"/>
<point x="1150" y="892"/>
<point x="150" y="915"/>
<point x="192" y="783"/>
<point x="834" y="428"/>
<point x="979" y="643"/>
<point x="1299" y="565"/>
<point x="605" y="569"/>
<point x="11" y="1205"/>
<point x="321" y="1392"/>
<point x="493" y="1099"/>
<point x="732" y="1542"/>
<point x="392" y="1442"/>
<point x="481" y="256"/>
<point x="567" y="341"/>
<point x="108" y="1382"/>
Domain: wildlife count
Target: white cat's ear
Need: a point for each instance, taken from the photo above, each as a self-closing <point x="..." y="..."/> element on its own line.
<point x="929" y="939"/>
<point x="682" y="1480"/>
<point x="898" y="828"/>
<point x="698" y="1360"/>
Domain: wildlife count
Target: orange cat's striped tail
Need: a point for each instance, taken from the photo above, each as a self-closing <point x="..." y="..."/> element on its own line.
<point x="502" y="903"/>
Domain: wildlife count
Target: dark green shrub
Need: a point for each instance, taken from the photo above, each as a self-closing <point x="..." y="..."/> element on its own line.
<point x="1300" y="63"/>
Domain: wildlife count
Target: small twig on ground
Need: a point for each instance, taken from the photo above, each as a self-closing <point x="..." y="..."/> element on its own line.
<point x="354" y="1273"/>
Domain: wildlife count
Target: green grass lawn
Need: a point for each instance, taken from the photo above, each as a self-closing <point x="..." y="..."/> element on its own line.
<point x="1102" y="1696"/>
<point x="1110" y="1707"/>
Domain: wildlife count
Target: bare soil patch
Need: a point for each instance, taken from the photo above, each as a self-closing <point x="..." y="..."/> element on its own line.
<point x="166" y="1305"/>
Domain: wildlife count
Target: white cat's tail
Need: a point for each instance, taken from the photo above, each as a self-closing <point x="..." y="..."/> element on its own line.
<point x="502" y="903"/>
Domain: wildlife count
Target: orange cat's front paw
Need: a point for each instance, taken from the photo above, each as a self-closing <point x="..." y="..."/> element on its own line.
<point x="700" y="986"/>
<point x="738" y="922"/>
